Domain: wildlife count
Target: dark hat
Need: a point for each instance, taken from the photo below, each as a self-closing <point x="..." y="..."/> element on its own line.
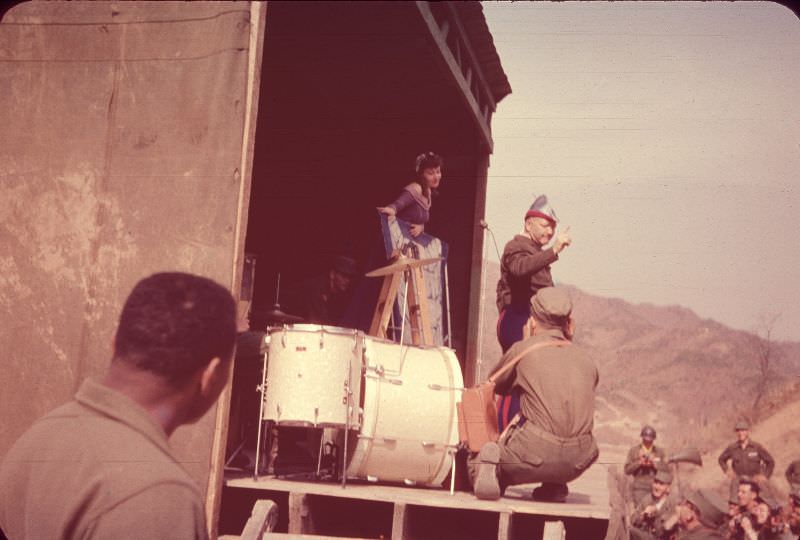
<point x="552" y="305"/>
<point x="712" y="508"/>
<point x="648" y="433"/>
<point x="663" y="476"/>
<point x="345" y="266"/>
<point x="741" y="424"/>
<point x="541" y="208"/>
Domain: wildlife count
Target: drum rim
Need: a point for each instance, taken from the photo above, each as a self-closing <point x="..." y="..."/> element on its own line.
<point x="312" y="328"/>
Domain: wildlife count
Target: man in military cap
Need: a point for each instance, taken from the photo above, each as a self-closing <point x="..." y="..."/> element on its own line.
<point x="747" y="458"/>
<point x="648" y="517"/>
<point x="699" y="516"/>
<point x="524" y="269"/>
<point x="643" y="461"/>
<point x="550" y="440"/>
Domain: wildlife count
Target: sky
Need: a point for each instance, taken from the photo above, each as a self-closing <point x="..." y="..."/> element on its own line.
<point x="666" y="136"/>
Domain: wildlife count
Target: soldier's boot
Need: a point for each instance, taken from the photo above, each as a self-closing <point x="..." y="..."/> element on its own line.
<point x="487" y="487"/>
<point x="551" y="492"/>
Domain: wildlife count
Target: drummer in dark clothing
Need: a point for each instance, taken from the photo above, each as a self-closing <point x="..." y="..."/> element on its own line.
<point x="323" y="298"/>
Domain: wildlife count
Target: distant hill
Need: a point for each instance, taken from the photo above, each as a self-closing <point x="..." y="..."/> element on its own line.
<point x="690" y="377"/>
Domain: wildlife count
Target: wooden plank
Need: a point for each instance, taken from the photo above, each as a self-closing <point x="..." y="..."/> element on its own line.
<point x="258" y="12"/>
<point x="504" y="526"/>
<point x="384" y="306"/>
<point x="588" y="496"/>
<point x="263" y="518"/>
<point x="554" y="530"/>
<point x="399" y="522"/>
<point x="300" y="518"/>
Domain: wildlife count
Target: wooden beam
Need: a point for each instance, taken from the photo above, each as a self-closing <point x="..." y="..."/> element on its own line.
<point x="451" y="65"/>
<point x="263" y="518"/>
<point x="258" y="13"/>
<point x="554" y="530"/>
<point x="399" y="519"/>
<point x="504" y="526"/>
<point x="475" y="323"/>
<point x="300" y="518"/>
<point x="473" y="58"/>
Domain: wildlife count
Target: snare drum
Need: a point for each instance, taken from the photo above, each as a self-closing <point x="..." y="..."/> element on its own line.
<point x="314" y="376"/>
<point x="409" y="428"/>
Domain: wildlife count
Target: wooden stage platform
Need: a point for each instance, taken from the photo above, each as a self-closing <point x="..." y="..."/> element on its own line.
<point x="367" y="510"/>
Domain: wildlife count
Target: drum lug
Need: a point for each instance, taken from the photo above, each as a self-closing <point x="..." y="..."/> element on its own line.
<point x="322" y="339"/>
<point x="396" y="382"/>
<point x="427" y="444"/>
<point x="283" y="337"/>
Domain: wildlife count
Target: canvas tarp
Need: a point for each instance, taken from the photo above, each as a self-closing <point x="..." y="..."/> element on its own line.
<point x="122" y="144"/>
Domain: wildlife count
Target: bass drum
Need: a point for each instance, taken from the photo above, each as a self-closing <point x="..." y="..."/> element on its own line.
<point x="409" y="425"/>
<point x="313" y="376"/>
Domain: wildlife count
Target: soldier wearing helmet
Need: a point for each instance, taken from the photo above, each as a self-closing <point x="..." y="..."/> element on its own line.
<point x="643" y="462"/>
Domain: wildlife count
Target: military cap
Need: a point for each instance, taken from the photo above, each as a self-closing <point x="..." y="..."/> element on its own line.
<point x="712" y="508"/>
<point x="552" y="305"/>
<point x="541" y="208"/>
<point x="741" y="424"/>
<point x="663" y="476"/>
<point x="649" y="433"/>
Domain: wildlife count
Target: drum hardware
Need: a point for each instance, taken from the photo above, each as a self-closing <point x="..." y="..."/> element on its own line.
<point x="434" y="386"/>
<point x="263" y="387"/>
<point x="447" y="301"/>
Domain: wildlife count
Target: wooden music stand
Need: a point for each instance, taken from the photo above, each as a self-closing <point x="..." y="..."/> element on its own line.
<point x="416" y="299"/>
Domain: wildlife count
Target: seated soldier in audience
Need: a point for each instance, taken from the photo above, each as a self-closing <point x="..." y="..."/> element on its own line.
<point x="649" y="515"/>
<point x="698" y="516"/>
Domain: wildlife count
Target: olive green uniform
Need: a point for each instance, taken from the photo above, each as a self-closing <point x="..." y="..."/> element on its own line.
<point x="643" y="473"/>
<point x="751" y="460"/>
<point x="701" y="533"/>
<point x="652" y="525"/>
<point x="97" y="467"/>
<point x="553" y="441"/>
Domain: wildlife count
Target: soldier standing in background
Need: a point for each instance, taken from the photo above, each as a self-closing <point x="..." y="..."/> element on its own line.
<point x="643" y="462"/>
<point x="747" y="458"/>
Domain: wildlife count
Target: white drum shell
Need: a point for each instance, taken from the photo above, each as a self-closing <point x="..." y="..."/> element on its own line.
<point x="310" y="371"/>
<point x="409" y="428"/>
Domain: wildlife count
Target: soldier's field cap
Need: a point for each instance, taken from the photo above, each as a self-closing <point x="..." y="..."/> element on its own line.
<point x="648" y="433"/>
<point x="552" y="305"/>
<point x="541" y="208"/>
<point x="741" y="424"/>
<point x="712" y="508"/>
<point x="663" y="476"/>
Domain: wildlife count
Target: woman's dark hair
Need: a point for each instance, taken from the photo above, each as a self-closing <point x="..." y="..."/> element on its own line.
<point x="427" y="160"/>
<point x="172" y="324"/>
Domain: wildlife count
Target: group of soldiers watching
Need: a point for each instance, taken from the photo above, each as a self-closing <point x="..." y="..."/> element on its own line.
<point x="752" y="511"/>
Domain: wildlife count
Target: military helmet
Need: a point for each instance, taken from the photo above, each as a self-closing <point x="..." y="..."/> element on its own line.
<point x="649" y="433"/>
<point x="711" y="507"/>
<point x="741" y="424"/>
